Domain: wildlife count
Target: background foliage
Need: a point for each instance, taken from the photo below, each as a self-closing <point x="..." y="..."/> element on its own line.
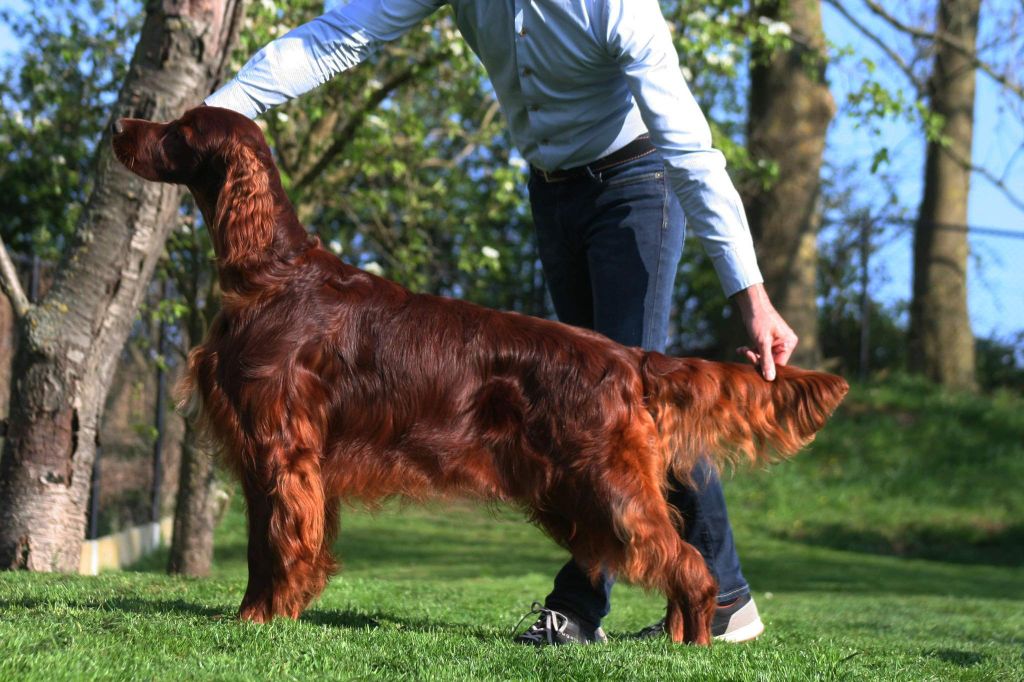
<point x="404" y="165"/>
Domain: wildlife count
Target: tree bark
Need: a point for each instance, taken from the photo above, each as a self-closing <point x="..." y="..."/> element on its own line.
<point x="195" y="513"/>
<point x="71" y="340"/>
<point x="790" y="111"/>
<point x="7" y="327"/>
<point x="941" y="341"/>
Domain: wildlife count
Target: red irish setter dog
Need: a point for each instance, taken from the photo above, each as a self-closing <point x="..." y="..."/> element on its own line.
<point x="320" y="382"/>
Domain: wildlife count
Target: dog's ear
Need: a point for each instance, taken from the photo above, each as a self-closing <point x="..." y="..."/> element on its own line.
<point x="244" y="220"/>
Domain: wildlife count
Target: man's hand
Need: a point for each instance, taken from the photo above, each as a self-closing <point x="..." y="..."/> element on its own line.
<point x="773" y="340"/>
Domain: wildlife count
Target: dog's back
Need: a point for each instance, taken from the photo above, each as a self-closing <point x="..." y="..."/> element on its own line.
<point x="417" y="394"/>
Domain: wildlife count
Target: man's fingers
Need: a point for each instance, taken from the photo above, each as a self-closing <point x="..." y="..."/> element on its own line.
<point x="785" y="347"/>
<point x="767" y="361"/>
<point x="749" y="355"/>
<point x="763" y="360"/>
<point x="782" y="352"/>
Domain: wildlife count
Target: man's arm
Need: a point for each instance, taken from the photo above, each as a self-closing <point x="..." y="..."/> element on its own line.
<point x="310" y="55"/>
<point x="639" y="40"/>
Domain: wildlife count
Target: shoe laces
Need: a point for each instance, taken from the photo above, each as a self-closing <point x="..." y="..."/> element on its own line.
<point x="652" y="630"/>
<point x="544" y="628"/>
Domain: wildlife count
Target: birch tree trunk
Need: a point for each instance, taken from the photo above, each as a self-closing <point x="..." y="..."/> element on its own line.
<point x="70" y="342"/>
<point x="941" y="341"/>
<point x="790" y="111"/>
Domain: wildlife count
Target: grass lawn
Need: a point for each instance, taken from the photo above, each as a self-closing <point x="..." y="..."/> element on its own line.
<point x="892" y="550"/>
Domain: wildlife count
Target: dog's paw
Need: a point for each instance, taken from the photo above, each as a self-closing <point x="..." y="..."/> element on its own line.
<point x="256" y="612"/>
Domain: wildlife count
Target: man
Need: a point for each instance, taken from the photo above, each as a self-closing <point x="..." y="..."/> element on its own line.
<point x="620" y="153"/>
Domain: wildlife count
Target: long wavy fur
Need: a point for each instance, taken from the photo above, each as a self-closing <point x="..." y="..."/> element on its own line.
<point x="728" y="411"/>
<point x="244" y="222"/>
<point x="320" y="383"/>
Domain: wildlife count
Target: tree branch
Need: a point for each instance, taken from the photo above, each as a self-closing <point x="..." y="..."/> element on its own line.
<point x="348" y="131"/>
<point x="317" y="133"/>
<point x="999" y="183"/>
<point x="473" y="140"/>
<point x="283" y="162"/>
<point x="12" y="285"/>
<point x="881" y="44"/>
<point x="900" y="25"/>
<point x="978" y="63"/>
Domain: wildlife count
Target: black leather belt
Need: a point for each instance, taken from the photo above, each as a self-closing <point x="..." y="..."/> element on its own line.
<point x="636" y="149"/>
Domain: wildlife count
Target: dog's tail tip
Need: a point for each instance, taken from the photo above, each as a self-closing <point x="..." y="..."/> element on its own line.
<point x="729" y="409"/>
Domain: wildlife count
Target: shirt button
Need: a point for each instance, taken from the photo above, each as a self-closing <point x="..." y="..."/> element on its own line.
<point x="534" y="107"/>
<point x="522" y="32"/>
<point x="527" y="71"/>
<point x="545" y="141"/>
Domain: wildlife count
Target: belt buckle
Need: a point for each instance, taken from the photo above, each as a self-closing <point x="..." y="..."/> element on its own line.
<point x="548" y="177"/>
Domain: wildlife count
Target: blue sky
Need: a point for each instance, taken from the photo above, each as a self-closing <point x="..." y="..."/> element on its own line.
<point x="996" y="274"/>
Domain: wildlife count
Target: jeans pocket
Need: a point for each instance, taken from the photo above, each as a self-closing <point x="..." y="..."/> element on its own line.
<point x="626" y="179"/>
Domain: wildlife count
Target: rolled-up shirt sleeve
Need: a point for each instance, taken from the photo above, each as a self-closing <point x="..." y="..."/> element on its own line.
<point x="639" y="40"/>
<point x="310" y="55"/>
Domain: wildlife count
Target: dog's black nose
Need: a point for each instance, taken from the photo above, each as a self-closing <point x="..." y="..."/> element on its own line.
<point x="116" y="127"/>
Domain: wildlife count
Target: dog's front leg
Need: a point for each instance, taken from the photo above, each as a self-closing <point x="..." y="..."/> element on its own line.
<point x="287" y="508"/>
<point x="256" y="604"/>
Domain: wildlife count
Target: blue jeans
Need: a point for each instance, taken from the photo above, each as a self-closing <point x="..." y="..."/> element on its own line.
<point x="610" y="245"/>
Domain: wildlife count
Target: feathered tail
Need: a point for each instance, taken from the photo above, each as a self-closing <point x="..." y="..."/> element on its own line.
<point x="728" y="410"/>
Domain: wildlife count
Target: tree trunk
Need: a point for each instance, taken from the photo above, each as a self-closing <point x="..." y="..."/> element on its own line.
<point x="941" y="342"/>
<point x="72" y="340"/>
<point x="195" y="513"/>
<point x="7" y="329"/>
<point x="790" y="111"/>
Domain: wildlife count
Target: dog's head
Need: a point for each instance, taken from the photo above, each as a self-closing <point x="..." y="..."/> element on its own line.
<point x="191" y="150"/>
<point x="224" y="160"/>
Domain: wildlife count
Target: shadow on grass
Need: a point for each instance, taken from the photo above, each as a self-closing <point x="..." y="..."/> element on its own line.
<point x="343" y="619"/>
<point x="964" y="659"/>
<point x="810" y="570"/>
<point x="353" y="620"/>
<point x="961" y="545"/>
<point x="178" y="607"/>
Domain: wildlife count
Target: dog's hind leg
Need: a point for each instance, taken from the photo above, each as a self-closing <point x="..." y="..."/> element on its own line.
<point x="326" y="564"/>
<point x="653" y="553"/>
<point x="657" y="557"/>
<point x="691" y="593"/>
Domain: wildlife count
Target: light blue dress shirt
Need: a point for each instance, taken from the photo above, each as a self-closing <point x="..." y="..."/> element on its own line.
<point x="576" y="80"/>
